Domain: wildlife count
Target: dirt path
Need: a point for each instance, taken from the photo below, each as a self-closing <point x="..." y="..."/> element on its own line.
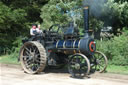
<point x="14" y="75"/>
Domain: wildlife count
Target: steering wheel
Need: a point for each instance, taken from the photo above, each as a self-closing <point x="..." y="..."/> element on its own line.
<point x="53" y="30"/>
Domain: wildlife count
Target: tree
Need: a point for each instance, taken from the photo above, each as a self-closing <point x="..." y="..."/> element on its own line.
<point x="16" y="18"/>
<point x="117" y="15"/>
<point x="59" y="12"/>
<point x="10" y="25"/>
<point x="65" y="11"/>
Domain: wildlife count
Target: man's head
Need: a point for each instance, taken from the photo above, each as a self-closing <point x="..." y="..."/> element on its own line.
<point x="39" y="26"/>
<point x="34" y="26"/>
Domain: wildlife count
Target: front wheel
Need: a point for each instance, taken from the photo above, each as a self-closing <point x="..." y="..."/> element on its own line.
<point x="79" y="65"/>
<point x="100" y="61"/>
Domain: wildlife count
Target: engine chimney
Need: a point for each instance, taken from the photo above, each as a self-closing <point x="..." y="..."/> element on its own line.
<point x="86" y="19"/>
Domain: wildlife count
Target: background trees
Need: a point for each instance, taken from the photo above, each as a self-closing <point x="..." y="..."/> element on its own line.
<point x="102" y="13"/>
<point x="16" y="17"/>
<point x="60" y="12"/>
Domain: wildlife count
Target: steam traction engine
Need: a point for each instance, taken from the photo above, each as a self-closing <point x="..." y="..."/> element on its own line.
<point x="56" y="49"/>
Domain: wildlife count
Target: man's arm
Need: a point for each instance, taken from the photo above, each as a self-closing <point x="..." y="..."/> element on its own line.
<point x="31" y="32"/>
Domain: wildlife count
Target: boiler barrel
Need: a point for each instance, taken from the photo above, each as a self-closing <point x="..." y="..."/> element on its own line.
<point x="85" y="46"/>
<point x="66" y="44"/>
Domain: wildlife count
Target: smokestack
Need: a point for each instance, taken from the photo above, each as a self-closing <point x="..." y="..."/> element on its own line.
<point x="86" y="19"/>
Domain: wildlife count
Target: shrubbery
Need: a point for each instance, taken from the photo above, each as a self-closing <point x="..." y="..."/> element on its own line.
<point x="115" y="49"/>
<point x="14" y="52"/>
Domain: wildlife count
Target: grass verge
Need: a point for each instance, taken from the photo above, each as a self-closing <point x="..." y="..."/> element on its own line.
<point x="117" y="69"/>
<point x="6" y="59"/>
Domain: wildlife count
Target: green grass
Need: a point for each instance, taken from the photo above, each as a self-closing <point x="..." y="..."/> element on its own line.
<point x="117" y="69"/>
<point x="6" y="59"/>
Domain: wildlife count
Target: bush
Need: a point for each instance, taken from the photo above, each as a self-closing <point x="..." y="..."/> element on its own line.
<point x="115" y="49"/>
<point x="17" y="45"/>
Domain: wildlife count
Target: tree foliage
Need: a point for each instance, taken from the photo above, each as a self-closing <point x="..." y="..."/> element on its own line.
<point x="117" y="14"/>
<point x="16" y="17"/>
<point x="59" y="12"/>
<point x="116" y="49"/>
<point x="11" y="22"/>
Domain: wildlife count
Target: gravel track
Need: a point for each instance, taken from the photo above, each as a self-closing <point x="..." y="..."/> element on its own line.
<point x="14" y="75"/>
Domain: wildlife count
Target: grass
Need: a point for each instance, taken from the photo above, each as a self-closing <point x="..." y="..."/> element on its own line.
<point x="117" y="69"/>
<point x="6" y="59"/>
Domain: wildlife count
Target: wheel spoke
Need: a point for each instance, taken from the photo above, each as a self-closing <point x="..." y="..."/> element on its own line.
<point x="30" y="50"/>
<point x="101" y="65"/>
<point x="27" y="53"/>
<point x="77" y="60"/>
<point x="83" y="64"/>
<point x="24" y="57"/>
<point x="32" y="59"/>
<point x="27" y="49"/>
<point x="79" y="65"/>
<point x="101" y="58"/>
<point x="36" y="51"/>
<point x="37" y="55"/>
<point x="37" y="60"/>
<point x="29" y="61"/>
<point x="100" y="61"/>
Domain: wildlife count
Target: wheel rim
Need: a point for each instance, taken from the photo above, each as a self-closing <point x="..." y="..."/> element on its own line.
<point x="31" y="58"/>
<point x="100" y="61"/>
<point x="79" y="65"/>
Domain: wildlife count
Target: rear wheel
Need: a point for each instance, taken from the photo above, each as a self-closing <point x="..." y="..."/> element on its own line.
<point x="79" y="65"/>
<point x="33" y="57"/>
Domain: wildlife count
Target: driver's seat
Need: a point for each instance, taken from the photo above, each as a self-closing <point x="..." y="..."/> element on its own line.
<point x="70" y="30"/>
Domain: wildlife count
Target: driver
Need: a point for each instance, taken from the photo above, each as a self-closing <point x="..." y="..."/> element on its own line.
<point x="33" y="30"/>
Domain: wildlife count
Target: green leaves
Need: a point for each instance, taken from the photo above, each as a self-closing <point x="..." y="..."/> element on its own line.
<point x="116" y="14"/>
<point x="16" y="17"/>
<point x="116" y="49"/>
<point x="58" y="12"/>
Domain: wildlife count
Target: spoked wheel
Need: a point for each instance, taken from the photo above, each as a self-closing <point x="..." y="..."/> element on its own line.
<point x="79" y="65"/>
<point x="33" y="57"/>
<point x="100" y="62"/>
